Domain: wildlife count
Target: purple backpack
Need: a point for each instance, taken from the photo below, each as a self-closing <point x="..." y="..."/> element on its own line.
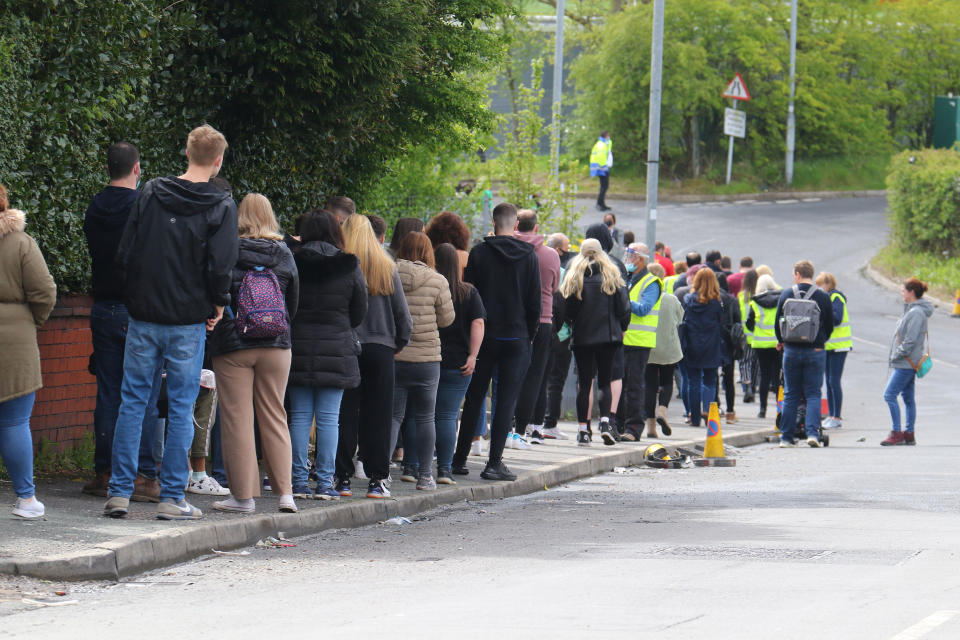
<point x="261" y="308"/>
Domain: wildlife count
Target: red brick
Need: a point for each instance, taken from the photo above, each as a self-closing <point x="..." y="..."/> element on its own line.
<point x="63" y="335"/>
<point x="54" y="365"/>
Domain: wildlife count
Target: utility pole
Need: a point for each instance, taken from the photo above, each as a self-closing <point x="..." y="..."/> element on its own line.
<point x="557" y="90"/>
<point x="791" y="116"/>
<point x="653" y="134"/>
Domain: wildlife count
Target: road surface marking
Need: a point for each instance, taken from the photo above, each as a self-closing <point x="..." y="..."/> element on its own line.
<point x="883" y="346"/>
<point x="786" y="201"/>
<point x="925" y="626"/>
<point x="812" y="199"/>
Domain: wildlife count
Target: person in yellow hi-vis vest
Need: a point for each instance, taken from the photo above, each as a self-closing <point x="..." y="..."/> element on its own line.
<point x="601" y="161"/>
<point x="763" y="336"/>
<point x="640" y="337"/>
<point x="838" y="345"/>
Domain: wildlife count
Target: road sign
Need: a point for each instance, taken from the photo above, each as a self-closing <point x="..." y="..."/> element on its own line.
<point x="737" y="89"/>
<point x="734" y="123"/>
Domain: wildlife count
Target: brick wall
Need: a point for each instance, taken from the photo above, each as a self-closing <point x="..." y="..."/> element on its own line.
<point x="63" y="412"/>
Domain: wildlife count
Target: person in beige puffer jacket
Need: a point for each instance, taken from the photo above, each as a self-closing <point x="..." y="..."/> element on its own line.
<point x="418" y="364"/>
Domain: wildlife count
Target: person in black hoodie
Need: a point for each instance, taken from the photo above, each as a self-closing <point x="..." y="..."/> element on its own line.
<point x="598" y="308"/>
<point x="333" y="303"/>
<point x="252" y="372"/>
<point x="175" y="259"/>
<point x="506" y="272"/>
<point x="103" y="226"/>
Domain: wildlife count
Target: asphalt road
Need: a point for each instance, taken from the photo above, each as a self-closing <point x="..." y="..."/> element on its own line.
<point x="851" y="541"/>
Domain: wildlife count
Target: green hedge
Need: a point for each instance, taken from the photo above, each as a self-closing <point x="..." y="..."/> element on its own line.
<point x="923" y="190"/>
<point x="315" y="97"/>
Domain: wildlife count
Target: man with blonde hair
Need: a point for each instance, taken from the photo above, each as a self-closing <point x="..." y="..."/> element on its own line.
<point x="174" y="260"/>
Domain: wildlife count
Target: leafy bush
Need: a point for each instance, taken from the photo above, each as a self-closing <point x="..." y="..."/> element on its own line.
<point x="923" y="189"/>
<point x="314" y="97"/>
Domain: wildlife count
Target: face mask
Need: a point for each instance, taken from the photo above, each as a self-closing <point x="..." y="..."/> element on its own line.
<point x="609" y="223"/>
<point x="631" y="267"/>
<point x="138" y="183"/>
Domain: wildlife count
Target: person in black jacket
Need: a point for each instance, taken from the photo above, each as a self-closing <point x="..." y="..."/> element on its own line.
<point x="333" y="303"/>
<point x="103" y="226"/>
<point x="252" y="372"/>
<point x="175" y="260"/>
<point x="506" y="272"/>
<point x="597" y="306"/>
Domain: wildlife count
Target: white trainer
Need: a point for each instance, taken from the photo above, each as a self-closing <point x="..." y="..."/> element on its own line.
<point x="554" y="433"/>
<point x="476" y="448"/>
<point x="28" y="508"/>
<point x="207" y="486"/>
<point x="520" y="443"/>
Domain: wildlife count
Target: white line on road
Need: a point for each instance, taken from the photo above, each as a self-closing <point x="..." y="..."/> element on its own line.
<point x="925" y="626"/>
<point x="786" y="201"/>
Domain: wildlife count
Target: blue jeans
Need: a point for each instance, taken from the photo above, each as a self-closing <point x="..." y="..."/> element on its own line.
<point x="835" y="361"/>
<point x="16" y="446"/>
<point x="179" y="349"/>
<point x="901" y="383"/>
<point x="415" y="392"/>
<point x="219" y="471"/>
<point x="307" y="404"/>
<point x="108" y="326"/>
<point x="702" y="389"/>
<point x="802" y="377"/>
<point x="684" y="386"/>
<point x="450" y="392"/>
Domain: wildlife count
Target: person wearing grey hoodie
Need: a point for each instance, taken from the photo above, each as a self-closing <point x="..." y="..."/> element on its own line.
<point x="906" y="350"/>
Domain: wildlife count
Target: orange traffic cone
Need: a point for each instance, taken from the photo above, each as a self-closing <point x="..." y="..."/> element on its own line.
<point x="713" y="454"/>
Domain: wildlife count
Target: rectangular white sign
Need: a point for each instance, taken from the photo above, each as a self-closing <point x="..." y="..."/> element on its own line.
<point x="735" y="123"/>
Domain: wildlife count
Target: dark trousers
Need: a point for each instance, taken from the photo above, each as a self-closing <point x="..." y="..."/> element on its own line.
<point x="511" y="358"/>
<point x="659" y="382"/>
<point x="729" y="386"/>
<point x="556" y="378"/>
<point x="530" y="389"/>
<point x="769" y="365"/>
<point x="635" y="363"/>
<point x="366" y="414"/>
<point x="108" y="326"/>
<point x="604" y="185"/>
<point x="595" y="361"/>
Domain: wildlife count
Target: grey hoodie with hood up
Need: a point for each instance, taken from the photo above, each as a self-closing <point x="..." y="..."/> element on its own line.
<point x="912" y="334"/>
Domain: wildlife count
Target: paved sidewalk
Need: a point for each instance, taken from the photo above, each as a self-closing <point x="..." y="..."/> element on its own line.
<point x="76" y="542"/>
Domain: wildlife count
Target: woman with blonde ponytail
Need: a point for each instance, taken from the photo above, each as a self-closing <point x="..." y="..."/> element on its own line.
<point x="598" y="309"/>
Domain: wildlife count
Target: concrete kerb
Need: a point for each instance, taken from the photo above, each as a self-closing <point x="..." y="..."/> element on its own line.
<point x="871" y="273"/>
<point x="130" y="555"/>
<point x="768" y="196"/>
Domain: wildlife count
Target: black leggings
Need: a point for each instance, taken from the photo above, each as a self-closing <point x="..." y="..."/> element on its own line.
<point x="594" y="361"/>
<point x="769" y="362"/>
<point x="658" y="377"/>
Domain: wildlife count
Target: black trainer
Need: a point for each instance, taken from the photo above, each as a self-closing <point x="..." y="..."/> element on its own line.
<point x="460" y="469"/>
<point x="343" y="488"/>
<point x="583" y="439"/>
<point x="606" y="432"/>
<point x="497" y="471"/>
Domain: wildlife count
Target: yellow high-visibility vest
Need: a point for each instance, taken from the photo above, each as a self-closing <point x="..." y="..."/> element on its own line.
<point x="744" y="312"/>
<point x="642" y="331"/>
<point x="842" y="337"/>
<point x="764" y="326"/>
<point x="600" y="153"/>
<point x="669" y="283"/>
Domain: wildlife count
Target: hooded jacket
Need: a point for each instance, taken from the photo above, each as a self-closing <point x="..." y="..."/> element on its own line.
<point x="27" y="295"/>
<point x="702" y="338"/>
<point x="257" y="252"/>
<point x="103" y="226"/>
<point x="178" y="251"/>
<point x="506" y="272"/>
<point x="388" y="322"/>
<point x="597" y="318"/>
<point x="767" y="300"/>
<point x="549" y="261"/>
<point x="912" y="334"/>
<point x="431" y="307"/>
<point x="333" y="301"/>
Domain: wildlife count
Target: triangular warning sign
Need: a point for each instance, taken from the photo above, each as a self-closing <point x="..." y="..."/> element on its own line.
<point x="737" y="89"/>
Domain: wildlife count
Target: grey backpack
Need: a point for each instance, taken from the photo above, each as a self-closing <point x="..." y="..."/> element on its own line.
<point x="800" y="321"/>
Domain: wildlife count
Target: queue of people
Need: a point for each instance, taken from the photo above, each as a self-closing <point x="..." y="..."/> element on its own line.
<point x="375" y="349"/>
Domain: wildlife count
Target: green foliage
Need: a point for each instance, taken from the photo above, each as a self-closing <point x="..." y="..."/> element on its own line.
<point x="923" y="189"/>
<point x="940" y="272"/>
<point x="50" y="460"/>
<point x="867" y="73"/>
<point x="315" y="97"/>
